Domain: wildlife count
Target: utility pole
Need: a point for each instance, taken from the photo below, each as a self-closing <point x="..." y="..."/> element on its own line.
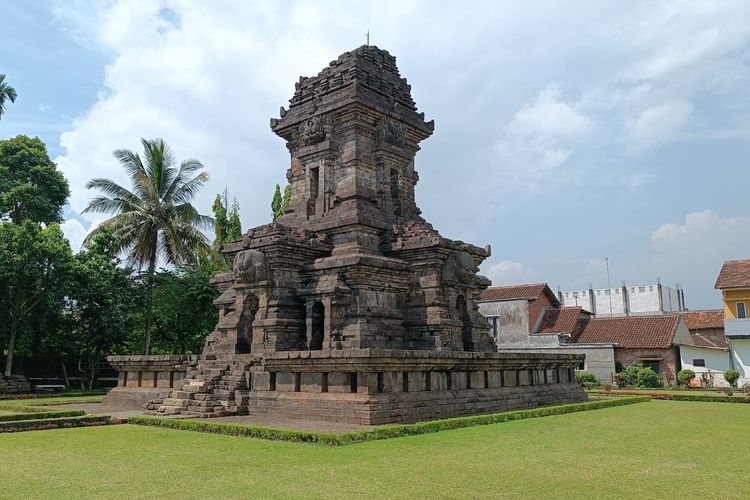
<point x="367" y="36"/>
<point x="609" y="288"/>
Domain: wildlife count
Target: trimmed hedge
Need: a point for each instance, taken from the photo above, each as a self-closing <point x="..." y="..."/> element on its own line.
<point x="42" y="415"/>
<point x="331" y="439"/>
<point x="55" y="423"/>
<point x="680" y="397"/>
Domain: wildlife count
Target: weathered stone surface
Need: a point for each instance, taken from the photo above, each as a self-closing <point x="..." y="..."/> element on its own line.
<point x="351" y="307"/>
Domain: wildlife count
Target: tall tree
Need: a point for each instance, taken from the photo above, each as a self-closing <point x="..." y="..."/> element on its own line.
<point x="156" y="219"/>
<point x="31" y="187"/>
<point x="277" y="204"/>
<point x="7" y="93"/>
<point x="287" y="198"/>
<point x="234" y="230"/>
<point x="99" y="307"/>
<point x="221" y="220"/>
<point x="35" y="267"/>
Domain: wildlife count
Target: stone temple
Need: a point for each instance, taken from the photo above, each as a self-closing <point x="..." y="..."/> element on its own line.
<point x="350" y="308"/>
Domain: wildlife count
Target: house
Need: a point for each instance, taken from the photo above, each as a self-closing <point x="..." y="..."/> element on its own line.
<point x="734" y="283"/>
<point x="651" y="341"/>
<point x="653" y="298"/>
<point x="514" y="310"/>
<point x="708" y="356"/>
<point x="528" y="317"/>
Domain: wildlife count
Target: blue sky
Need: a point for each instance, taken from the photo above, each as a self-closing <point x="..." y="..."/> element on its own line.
<point x="565" y="133"/>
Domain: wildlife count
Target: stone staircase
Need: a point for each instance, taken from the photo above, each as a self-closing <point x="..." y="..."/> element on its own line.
<point x="208" y="390"/>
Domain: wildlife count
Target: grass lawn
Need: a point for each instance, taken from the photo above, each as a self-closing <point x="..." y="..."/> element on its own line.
<point x="654" y="449"/>
<point x="52" y="401"/>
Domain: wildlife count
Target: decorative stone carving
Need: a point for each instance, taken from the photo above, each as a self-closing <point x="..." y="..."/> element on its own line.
<point x="312" y="131"/>
<point x="392" y="132"/>
<point x="460" y="268"/>
<point x="250" y="267"/>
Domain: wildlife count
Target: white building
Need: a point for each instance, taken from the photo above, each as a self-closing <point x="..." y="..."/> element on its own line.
<point x="626" y="300"/>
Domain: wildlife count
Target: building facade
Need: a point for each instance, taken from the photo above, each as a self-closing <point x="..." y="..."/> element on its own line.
<point x="734" y="283"/>
<point x="625" y="300"/>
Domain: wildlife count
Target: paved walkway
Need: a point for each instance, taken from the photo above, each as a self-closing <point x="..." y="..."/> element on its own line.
<point x="275" y="423"/>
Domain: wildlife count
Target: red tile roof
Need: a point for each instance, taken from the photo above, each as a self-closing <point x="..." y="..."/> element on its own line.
<point x="517" y="292"/>
<point x="704" y="340"/>
<point x="701" y="320"/>
<point x="560" y="321"/>
<point x="734" y="274"/>
<point x="631" y="332"/>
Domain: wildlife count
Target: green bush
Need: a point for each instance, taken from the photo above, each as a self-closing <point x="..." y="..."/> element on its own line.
<point x="731" y="376"/>
<point x="382" y="432"/>
<point x="55" y="423"/>
<point x="587" y="377"/>
<point x="41" y="415"/>
<point x="647" y="377"/>
<point x="629" y="376"/>
<point x="685" y="377"/>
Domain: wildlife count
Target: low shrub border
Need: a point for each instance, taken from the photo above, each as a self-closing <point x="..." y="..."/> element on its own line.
<point x="55" y="423"/>
<point x="41" y="415"/>
<point x="331" y="439"/>
<point x="677" y="396"/>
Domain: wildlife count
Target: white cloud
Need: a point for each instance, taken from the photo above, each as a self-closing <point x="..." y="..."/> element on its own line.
<point x="661" y="123"/>
<point x="539" y="139"/>
<point x="549" y="116"/>
<point x="74" y="232"/>
<point x="704" y="233"/>
<point x="508" y="272"/>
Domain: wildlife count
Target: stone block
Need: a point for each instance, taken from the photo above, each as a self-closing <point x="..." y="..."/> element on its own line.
<point x="311" y="382"/>
<point x="162" y="380"/>
<point x="494" y="379"/>
<point x="458" y="380"/>
<point x="438" y="381"/>
<point x="551" y="376"/>
<point x="338" y="382"/>
<point x="392" y="382"/>
<point x="285" y="382"/>
<point x="417" y="381"/>
<point x="510" y="378"/>
<point x="524" y="378"/>
<point x="261" y="381"/>
<point x="538" y="375"/>
<point x="477" y="379"/>
<point x="367" y="382"/>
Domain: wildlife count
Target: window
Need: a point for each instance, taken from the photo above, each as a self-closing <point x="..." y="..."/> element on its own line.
<point x="584" y="293"/>
<point x="651" y="363"/>
<point x="617" y="291"/>
<point x="632" y="289"/>
<point x="641" y="289"/>
<point x="598" y="292"/>
<point x="607" y="291"/>
<point x="740" y="310"/>
<point x="699" y="362"/>
<point x="650" y="289"/>
<point x="567" y="294"/>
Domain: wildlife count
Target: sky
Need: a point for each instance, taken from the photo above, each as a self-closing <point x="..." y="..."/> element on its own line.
<point x="565" y="132"/>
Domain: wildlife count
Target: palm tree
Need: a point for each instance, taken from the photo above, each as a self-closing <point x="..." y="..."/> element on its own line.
<point x="155" y="220"/>
<point x="6" y="93"/>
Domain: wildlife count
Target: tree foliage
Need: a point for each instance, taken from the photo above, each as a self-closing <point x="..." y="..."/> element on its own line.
<point x="35" y="265"/>
<point x="234" y="231"/>
<point x="280" y="203"/>
<point x="7" y="93"/>
<point x="156" y="219"/>
<point x="31" y="187"/>
<point x="731" y="376"/>
<point x="99" y="307"/>
<point x="221" y="220"/>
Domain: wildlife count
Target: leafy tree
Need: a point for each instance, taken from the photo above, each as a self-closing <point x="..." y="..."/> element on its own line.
<point x="221" y="220"/>
<point x="35" y="264"/>
<point x="277" y="204"/>
<point x="731" y="376"/>
<point x="184" y="313"/>
<point x="155" y="220"/>
<point x="287" y="197"/>
<point x="31" y="187"/>
<point x="234" y="232"/>
<point x="685" y="377"/>
<point x="7" y="93"/>
<point x="99" y="307"/>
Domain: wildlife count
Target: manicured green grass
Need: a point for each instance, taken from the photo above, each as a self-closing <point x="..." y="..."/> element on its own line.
<point x="658" y="449"/>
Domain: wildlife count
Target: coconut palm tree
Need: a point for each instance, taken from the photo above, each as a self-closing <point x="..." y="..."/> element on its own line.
<point x="7" y="93"/>
<point x="154" y="221"/>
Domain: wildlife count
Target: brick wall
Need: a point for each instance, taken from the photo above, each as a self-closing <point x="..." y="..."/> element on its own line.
<point x="536" y="307"/>
<point x="666" y="358"/>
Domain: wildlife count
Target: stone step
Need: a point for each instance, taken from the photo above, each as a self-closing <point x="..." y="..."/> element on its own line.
<point x="182" y="403"/>
<point x="171" y="410"/>
<point x="182" y="394"/>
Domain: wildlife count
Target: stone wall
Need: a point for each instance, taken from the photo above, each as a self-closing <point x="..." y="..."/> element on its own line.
<point x="142" y="378"/>
<point x="14" y="384"/>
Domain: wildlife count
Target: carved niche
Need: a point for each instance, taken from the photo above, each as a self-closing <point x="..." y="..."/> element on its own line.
<point x="460" y="268"/>
<point x="392" y="132"/>
<point x="312" y="131"/>
<point x="250" y="266"/>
